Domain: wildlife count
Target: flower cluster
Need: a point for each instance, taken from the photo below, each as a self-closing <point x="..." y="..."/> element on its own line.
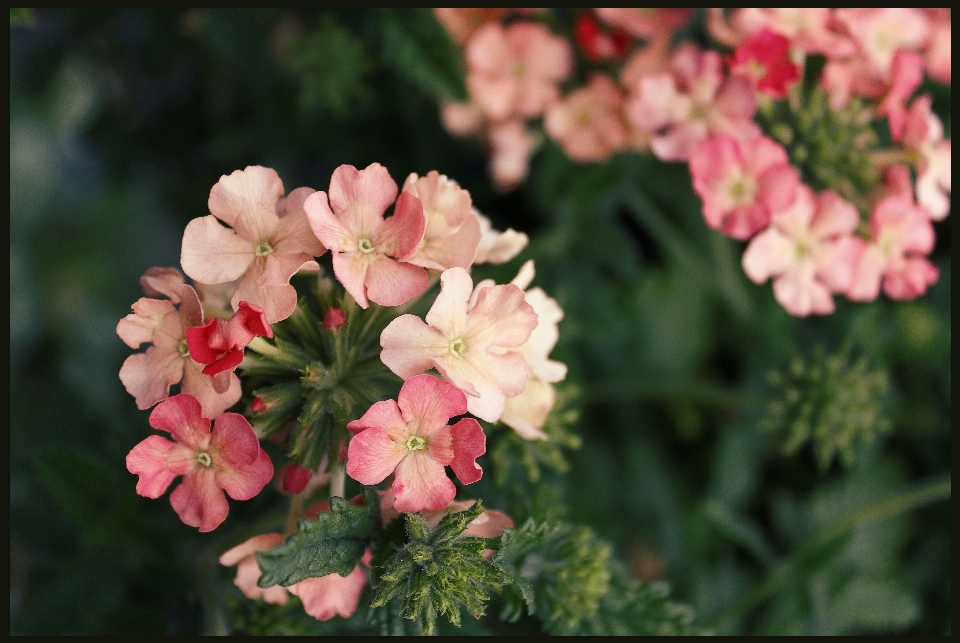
<point x="482" y="350"/>
<point x="794" y="167"/>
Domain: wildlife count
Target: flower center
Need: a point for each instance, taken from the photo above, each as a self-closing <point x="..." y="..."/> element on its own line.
<point x="887" y="240"/>
<point x="262" y="249"/>
<point x="365" y="246"/>
<point x="741" y="190"/>
<point x="457" y="347"/>
<point x="183" y="349"/>
<point x="583" y="117"/>
<point x="517" y="69"/>
<point x="416" y="443"/>
<point x="699" y="112"/>
<point x="204" y="459"/>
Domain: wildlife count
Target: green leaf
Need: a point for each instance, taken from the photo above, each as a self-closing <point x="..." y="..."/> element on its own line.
<point x="416" y="46"/>
<point x="331" y="543"/>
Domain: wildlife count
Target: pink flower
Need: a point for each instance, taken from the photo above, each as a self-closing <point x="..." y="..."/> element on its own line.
<point x="905" y="78"/>
<point x="370" y="254"/>
<point x="511" y="145"/>
<point x="333" y="594"/>
<point x="923" y="133"/>
<point x="691" y="103"/>
<point x="469" y="345"/>
<point x="411" y="436"/>
<point x="880" y="33"/>
<point x="742" y="183"/>
<point x="764" y="60"/>
<point x="809" y="29"/>
<point x="461" y="23"/>
<point x="269" y="242"/>
<point x="902" y="236"/>
<point x="248" y="571"/>
<point x="810" y="249"/>
<point x="219" y="343"/>
<point x="489" y="524"/>
<point x="228" y="459"/>
<point x="587" y="123"/>
<point x="452" y="231"/>
<point x="938" y="51"/>
<point x="515" y="71"/>
<point x="596" y="43"/>
<point x="645" y="23"/>
<point x="148" y="376"/>
<point x="461" y="119"/>
<point x="496" y="246"/>
<point x="334" y="319"/>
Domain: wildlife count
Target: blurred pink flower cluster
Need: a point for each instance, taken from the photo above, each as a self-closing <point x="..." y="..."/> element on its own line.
<point x="637" y="88"/>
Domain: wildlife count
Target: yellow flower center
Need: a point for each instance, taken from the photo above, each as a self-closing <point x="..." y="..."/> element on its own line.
<point x="416" y="443"/>
<point x="457" y="347"/>
<point x="183" y="349"/>
<point x="742" y="190"/>
<point x="204" y="459"/>
<point x="365" y="246"/>
<point x="262" y="249"/>
<point x="517" y="69"/>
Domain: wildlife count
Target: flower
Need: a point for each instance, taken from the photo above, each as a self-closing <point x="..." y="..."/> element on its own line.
<point x="764" y="60"/>
<point x="511" y="145"/>
<point x="148" y="376"/>
<point x="691" y="103"/>
<point x="810" y="249"/>
<point x="587" y="123"/>
<point x="452" y="231"/>
<point x="902" y="234"/>
<point x="370" y="254"/>
<point x="495" y="246"/>
<point x="645" y="23"/>
<point x="334" y="319"/>
<point x="742" y="183"/>
<point x="228" y="459"/>
<point x="469" y="345"/>
<point x="515" y="71"/>
<point x="411" y="436"/>
<point x="597" y="44"/>
<point x="248" y="570"/>
<point x="219" y="343"/>
<point x="268" y="240"/>
<point x="923" y="133"/>
<point x="489" y="524"/>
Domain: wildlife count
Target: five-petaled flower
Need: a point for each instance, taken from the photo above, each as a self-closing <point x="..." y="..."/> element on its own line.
<point x="411" y="437"/>
<point x="228" y="459"/>
<point x="219" y="343"/>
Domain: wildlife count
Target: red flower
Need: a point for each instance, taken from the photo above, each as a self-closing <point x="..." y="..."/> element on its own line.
<point x="764" y="59"/>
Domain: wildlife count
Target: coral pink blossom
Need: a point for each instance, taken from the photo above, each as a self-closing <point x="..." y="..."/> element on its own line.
<point x="923" y="133"/>
<point x="370" y="253"/>
<point x="489" y="524"/>
<point x="880" y="33"/>
<point x="810" y="249"/>
<point x="645" y="23"/>
<point x="333" y="594"/>
<point x="905" y="78"/>
<point x="469" y="345"/>
<point x="691" y="103"/>
<point x="511" y="145"/>
<point x="219" y="343"/>
<point x="452" y="231"/>
<point x="411" y="437"/>
<point x="148" y="376"/>
<point x="764" y="60"/>
<point x="496" y="246"/>
<point x="902" y="236"/>
<point x="809" y="29"/>
<point x="268" y="240"/>
<point x="461" y="23"/>
<point x="742" y="183"/>
<point x="515" y="71"/>
<point x="587" y="123"/>
<point x="461" y="119"/>
<point x="248" y="571"/>
<point x="228" y="459"/>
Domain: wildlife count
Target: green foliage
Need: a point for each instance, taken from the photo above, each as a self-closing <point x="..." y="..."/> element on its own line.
<point x="331" y="543"/>
<point x="417" y="47"/>
<point x="316" y="381"/>
<point x="836" y="402"/>
<point x="561" y="572"/>
<point x="632" y="608"/>
<point x="333" y="66"/>
<point x="434" y="572"/>
<point x="21" y="17"/>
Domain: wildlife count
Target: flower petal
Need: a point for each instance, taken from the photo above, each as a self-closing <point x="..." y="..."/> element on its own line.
<point x="469" y="443"/>
<point x="246" y="200"/>
<point x="421" y="483"/>
<point x="392" y="283"/>
<point x="373" y="455"/>
<point x="409" y="344"/>
<point x="431" y="401"/>
<point x="181" y="416"/>
<point x="147" y="461"/>
<point x="199" y="501"/>
<point x="213" y="254"/>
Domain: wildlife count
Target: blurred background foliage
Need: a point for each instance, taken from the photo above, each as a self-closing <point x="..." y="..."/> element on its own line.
<point x="721" y="450"/>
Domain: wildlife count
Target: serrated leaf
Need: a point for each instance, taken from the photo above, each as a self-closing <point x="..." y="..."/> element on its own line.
<point x="331" y="543"/>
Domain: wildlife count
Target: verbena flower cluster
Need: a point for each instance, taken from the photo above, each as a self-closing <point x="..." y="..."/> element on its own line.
<point x="780" y="124"/>
<point x="482" y="349"/>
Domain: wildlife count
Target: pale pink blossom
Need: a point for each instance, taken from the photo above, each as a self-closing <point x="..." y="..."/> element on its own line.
<point x="219" y="343"/>
<point x="902" y="236"/>
<point x="880" y="33"/>
<point x="248" y="570"/>
<point x="469" y="345"/>
<point x="691" y="103"/>
<point x="939" y="59"/>
<point x="587" y="123"/>
<point x="333" y="594"/>
<point x="742" y="183"/>
<point x="645" y="23"/>
<point x="528" y="412"/>
<point x="461" y="119"/>
<point x="809" y="249"/>
<point x="923" y="133"/>
<point x="461" y="23"/>
<point x="511" y="145"/>
<point x="452" y="231"/>
<point x="268" y="240"/>
<point x="905" y="77"/>
<point x="228" y="459"/>
<point x="809" y="29"/>
<point x="515" y="71"/>
<point x="411" y="437"/>
<point x="496" y="246"/>
<point x="370" y="254"/>
<point x="148" y="376"/>
<point x="652" y="58"/>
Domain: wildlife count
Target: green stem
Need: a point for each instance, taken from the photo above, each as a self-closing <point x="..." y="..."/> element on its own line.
<point x="294" y="513"/>
<point x="338" y="481"/>
<point x="921" y="495"/>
